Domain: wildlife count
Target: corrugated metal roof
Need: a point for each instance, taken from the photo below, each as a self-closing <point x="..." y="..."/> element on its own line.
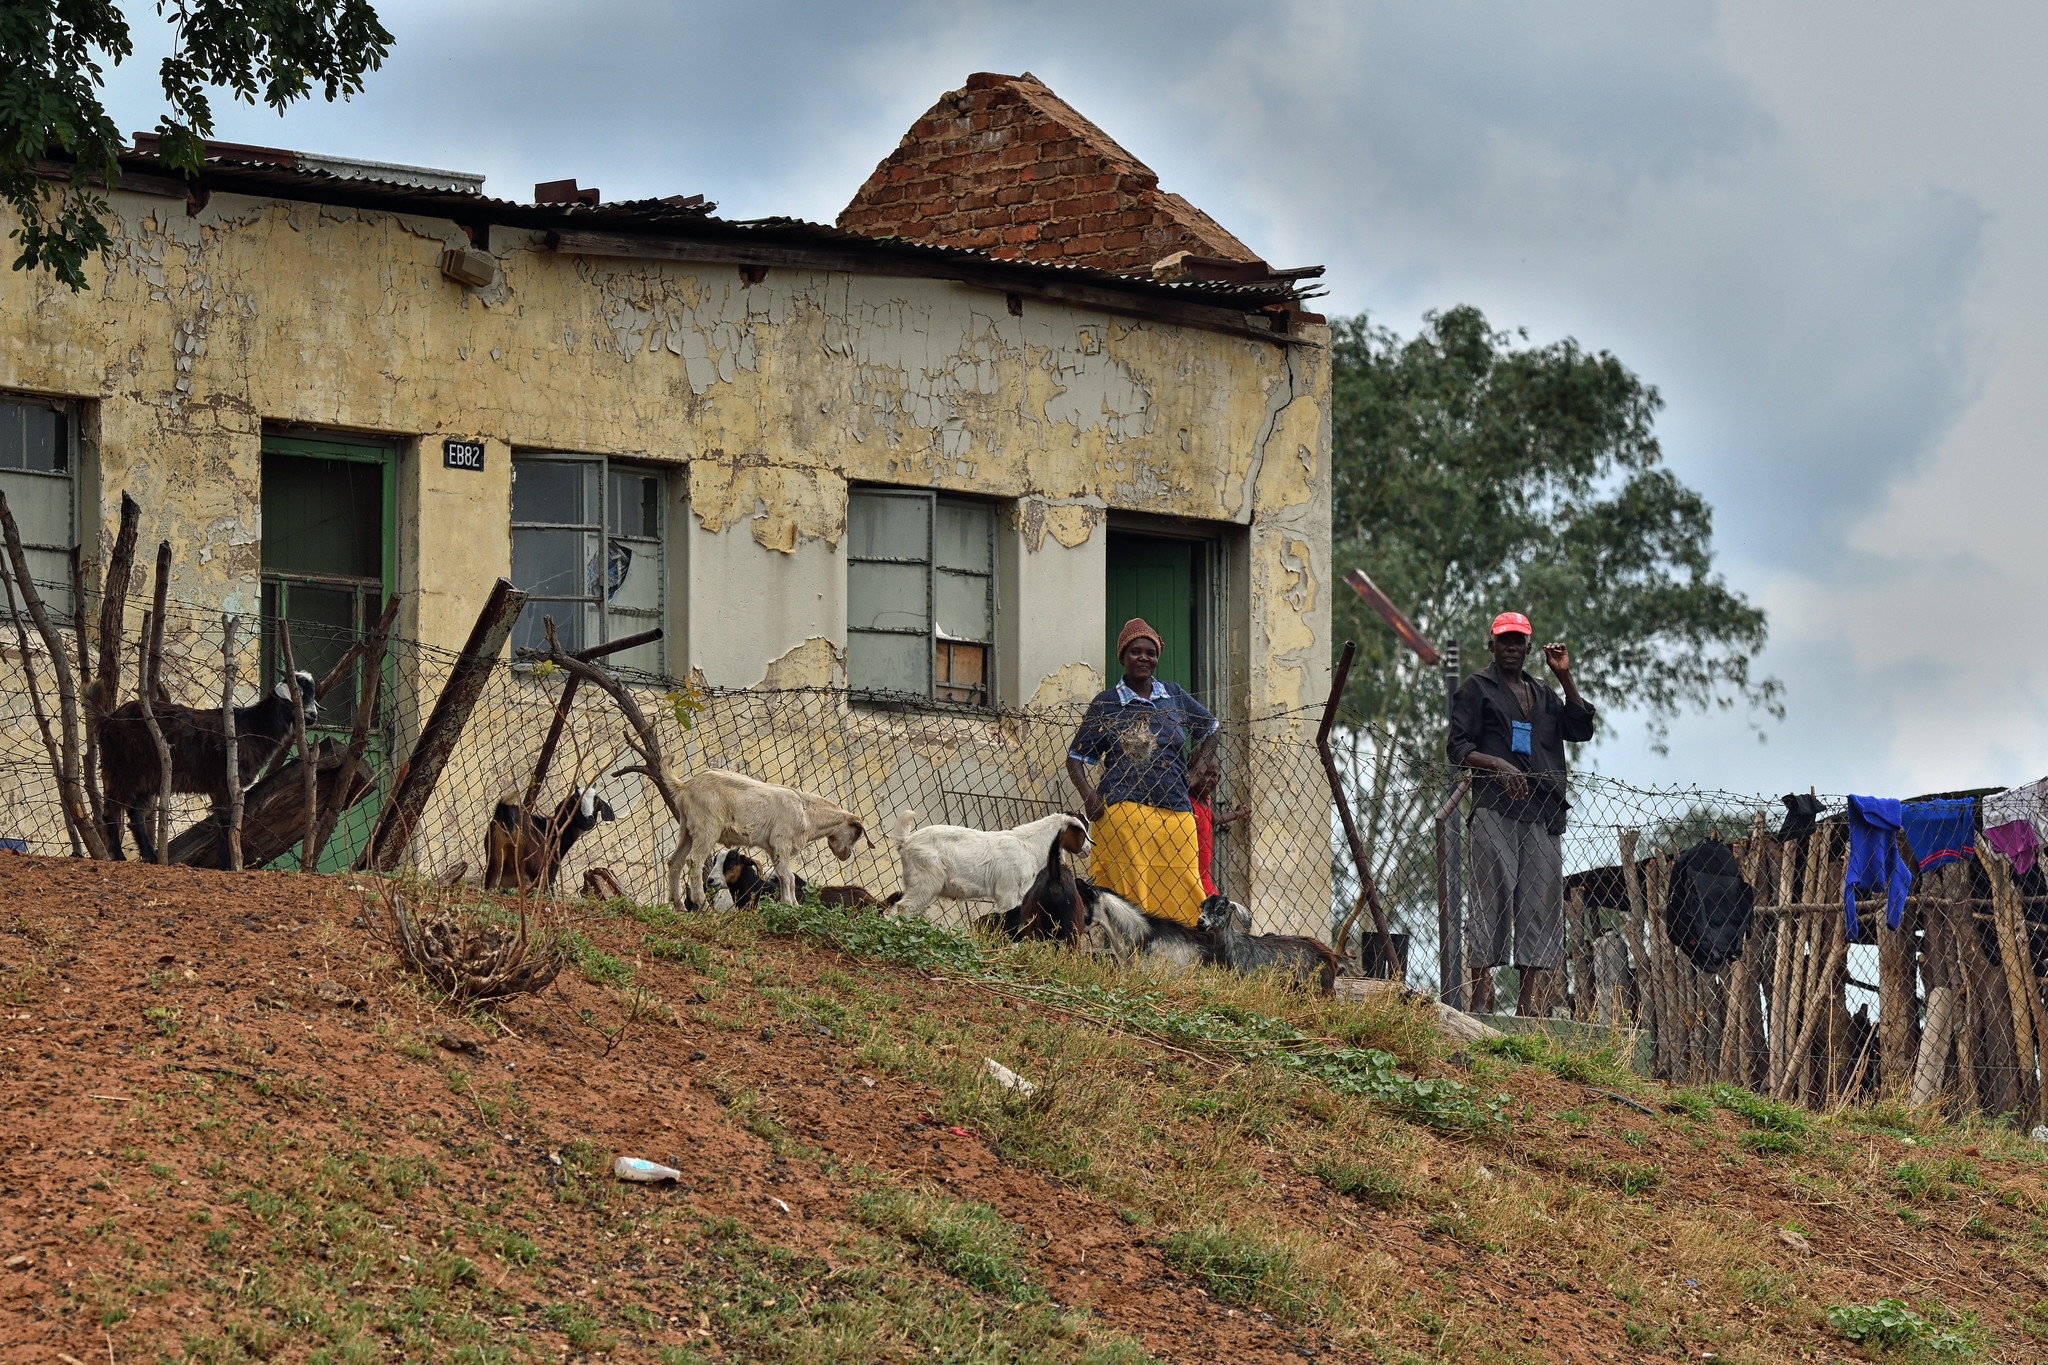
<point x="282" y="174"/>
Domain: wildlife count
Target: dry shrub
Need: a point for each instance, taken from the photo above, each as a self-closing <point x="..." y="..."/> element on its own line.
<point x="472" y="955"/>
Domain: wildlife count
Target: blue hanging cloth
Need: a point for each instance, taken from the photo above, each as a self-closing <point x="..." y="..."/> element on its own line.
<point x="1875" y="862"/>
<point x="1940" y="831"/>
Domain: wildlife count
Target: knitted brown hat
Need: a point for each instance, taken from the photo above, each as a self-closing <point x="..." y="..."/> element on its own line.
<point x="1136" y="629"/>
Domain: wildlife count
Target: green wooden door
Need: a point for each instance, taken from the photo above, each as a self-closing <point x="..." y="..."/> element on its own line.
<point x="329" y="509"/>
<point x="1154" y="578"/>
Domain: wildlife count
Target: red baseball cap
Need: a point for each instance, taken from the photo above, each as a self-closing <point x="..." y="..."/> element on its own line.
<point x="1515" y="621"/>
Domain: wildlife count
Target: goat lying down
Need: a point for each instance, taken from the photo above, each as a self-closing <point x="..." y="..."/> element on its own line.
<point x="958" y="863"/>
<point x="723" y="807"/>
<point x="1305" y="960"/>
<point x="131" y="774"/>
<point x="521" y="852"/>
<point x="740" y="880"/>
<point x="1126" y="930"/>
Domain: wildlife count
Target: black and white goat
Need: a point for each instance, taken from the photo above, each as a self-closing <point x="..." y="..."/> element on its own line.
<point x="1124" y="929"/>
<point x="1305" y="960"/>
<point x="745" y="887"/>
<point x="521" y="852"/>
<point x="131" y="774"/>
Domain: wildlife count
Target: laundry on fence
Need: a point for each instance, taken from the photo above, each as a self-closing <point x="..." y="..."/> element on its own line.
<point x="1940" y="831"/>
<point x="1875" y="863"/>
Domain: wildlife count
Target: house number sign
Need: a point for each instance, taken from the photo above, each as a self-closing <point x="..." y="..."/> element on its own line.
<point x="462" y="454"/>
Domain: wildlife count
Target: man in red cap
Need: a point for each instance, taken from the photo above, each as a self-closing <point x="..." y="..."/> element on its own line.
<point x="1510" y="730"/>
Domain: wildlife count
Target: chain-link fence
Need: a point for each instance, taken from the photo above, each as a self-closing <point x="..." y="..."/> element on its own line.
<point x="1948" y="1006"/>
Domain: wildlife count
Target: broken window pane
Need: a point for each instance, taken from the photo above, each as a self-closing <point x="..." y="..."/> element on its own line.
<point x="35" y="473"/>
<point x="597" y="587"/>
<point x="920" y="563"/>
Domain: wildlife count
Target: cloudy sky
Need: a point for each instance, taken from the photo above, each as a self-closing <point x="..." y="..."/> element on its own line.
<point x="1819" y="230"/>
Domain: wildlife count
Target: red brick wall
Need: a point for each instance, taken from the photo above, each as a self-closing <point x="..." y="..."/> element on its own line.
<point x="1005" y="166"/>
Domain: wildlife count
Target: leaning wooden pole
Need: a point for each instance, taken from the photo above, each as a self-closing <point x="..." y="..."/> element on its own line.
<point x="114" y="605"/>
<point x="359" y="734"/>
<point x="1395" y="968"/>
<point x="70" y="789"/>
<point x="234" y="752"/>
<point x="149" y="691"/>
<point x="145" y="695"/>
<point x="555" y="727"/>
<point x="90" y="718"/>
<point x="420" y="773"/>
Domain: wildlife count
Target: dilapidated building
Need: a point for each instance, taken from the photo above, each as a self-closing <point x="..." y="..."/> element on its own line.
<point x="940" y="450"/>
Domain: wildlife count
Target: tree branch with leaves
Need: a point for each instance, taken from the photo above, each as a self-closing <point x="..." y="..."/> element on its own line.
<point x="57" y="142"/>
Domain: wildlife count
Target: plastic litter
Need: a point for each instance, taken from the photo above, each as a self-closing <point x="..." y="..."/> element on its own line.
<point x="633" y="1168"/>
<point x="1006" y="1078"/>
<point x="2040" y="1134"/>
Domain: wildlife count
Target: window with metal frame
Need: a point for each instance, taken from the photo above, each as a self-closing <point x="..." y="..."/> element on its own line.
<point x="588" y="547"/>
<point x="38" y="471"/>
<point x="920" y="595"/>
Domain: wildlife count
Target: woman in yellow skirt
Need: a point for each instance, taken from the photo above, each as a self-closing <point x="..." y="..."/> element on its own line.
<point x="1143" y="825"/>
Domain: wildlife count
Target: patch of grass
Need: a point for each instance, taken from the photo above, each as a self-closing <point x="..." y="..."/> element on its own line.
<point x="1920" y="1181"/>
<point x="582" y="1330"/>
<point x="1604" y="1064"/>
<point x="163" y="1018"/>
<point x="672" y="949"/>
<point x="1770" y="1142"/>
<point x="1890" y="1323"/>
<point x="1373" y="1183"/>
<point x="1240" y="1267"/>
<point x="969" y="1241"/>
<point x="1766" y="1114"/>
<point x="599" y="967"/>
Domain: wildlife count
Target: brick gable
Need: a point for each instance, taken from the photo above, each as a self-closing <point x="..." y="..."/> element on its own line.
<point x="1006" y="166"/>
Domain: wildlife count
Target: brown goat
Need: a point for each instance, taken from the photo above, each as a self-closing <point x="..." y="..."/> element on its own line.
<point x="521" y="852"/>
<point x="131" y="774"/>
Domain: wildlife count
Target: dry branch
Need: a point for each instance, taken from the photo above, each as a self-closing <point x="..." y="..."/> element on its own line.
<point x="643" y="740"/>
<point x="113" y="609"/>
<point x="35" y="701"/>
<point x="474" y="963"/>
<point x="69" y="788"/>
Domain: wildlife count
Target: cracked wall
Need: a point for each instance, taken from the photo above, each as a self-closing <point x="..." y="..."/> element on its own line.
<point x="764" y="401"/>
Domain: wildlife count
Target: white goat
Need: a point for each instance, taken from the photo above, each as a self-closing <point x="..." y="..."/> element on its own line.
<point x="974" y="864"/>
<point x="721" y="807"/>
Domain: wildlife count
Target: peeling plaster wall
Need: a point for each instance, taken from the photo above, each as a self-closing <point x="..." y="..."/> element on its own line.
<point x="766" y="399"/>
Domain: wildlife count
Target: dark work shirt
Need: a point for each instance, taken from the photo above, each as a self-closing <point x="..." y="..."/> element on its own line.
<point x="1481" y="722"/>
<point x="1155" y="778"/>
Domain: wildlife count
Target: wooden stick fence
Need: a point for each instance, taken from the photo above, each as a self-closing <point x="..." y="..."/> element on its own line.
<point x="1961" y="1016"/>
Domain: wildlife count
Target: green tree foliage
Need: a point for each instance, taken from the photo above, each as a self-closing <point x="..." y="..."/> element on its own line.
<point x="51" y="118"/>
<point x="1475" y="473"/>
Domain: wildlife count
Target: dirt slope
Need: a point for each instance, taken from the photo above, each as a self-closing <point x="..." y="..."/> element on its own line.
<point x="234" y="1131"/>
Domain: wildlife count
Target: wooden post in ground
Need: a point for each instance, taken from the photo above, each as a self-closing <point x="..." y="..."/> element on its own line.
<point x="155" y="670"/>
<point x="2029" y="1016"/>
<point x="421" y="772"/>
<point x="1580" y="944"/>
<point x="234" y="753"/>
<point x="1632" y="929"/>
<point x="89" y="720"/>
